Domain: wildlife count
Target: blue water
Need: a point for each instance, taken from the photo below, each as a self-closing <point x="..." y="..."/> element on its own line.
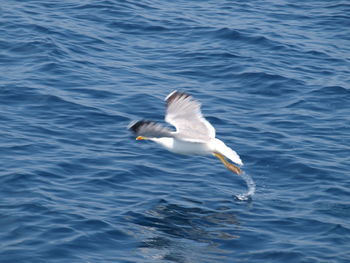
<point x="274" y="80"/>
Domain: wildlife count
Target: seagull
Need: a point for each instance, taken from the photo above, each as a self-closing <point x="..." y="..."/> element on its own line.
<point x="194" y="135"/>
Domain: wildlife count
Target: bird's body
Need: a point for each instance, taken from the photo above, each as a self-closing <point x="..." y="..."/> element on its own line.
<point x="184" y="147"/>
<point x="194" y="135"/>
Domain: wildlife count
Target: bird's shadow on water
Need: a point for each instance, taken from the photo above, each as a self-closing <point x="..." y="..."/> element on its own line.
<point x="179" y="233"/>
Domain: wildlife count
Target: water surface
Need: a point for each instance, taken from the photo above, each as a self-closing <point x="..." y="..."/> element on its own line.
<point x="273" y="78"/>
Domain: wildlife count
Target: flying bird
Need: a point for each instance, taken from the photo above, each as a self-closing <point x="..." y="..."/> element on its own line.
<point x="194" y="135"/>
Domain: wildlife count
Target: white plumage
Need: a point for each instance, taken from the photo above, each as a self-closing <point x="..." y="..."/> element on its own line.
<point x="194" y="135"/>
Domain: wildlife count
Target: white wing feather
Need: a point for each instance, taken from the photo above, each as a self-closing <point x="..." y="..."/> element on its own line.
<point x="184" y="113"/>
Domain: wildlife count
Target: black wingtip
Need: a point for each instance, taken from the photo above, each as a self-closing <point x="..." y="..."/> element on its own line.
<point x="176" y="95"/>
<point x="136" y="125"/>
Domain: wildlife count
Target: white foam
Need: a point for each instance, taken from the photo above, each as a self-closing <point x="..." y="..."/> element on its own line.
<point x="251" y="188"/>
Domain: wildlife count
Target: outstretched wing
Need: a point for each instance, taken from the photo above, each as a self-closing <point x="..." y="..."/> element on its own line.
<point x="149" y="129"/>
<point x="184" y="113"/>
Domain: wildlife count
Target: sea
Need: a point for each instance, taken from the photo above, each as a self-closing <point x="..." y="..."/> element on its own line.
<point x="273" y="78"/>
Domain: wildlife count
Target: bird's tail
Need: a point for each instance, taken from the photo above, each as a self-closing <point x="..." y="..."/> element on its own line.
<point x="227" y="152"/>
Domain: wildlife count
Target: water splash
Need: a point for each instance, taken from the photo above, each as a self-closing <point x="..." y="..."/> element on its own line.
<point x="251" y="188"/>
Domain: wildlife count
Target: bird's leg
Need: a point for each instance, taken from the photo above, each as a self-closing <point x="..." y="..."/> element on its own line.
<point x="228" y="165"/>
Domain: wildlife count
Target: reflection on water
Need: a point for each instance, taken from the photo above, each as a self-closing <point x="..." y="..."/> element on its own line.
<point x="182" y="234"/>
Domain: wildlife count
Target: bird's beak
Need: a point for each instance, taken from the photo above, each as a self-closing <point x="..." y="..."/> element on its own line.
<point x="141" y="138"/>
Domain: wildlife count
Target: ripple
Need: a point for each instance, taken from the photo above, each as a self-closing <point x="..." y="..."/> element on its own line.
<point x="272" y="78"/>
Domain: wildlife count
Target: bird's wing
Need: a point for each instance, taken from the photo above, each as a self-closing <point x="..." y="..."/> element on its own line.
<point x="149" y="129"/>
<point x="185" y="114"/>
